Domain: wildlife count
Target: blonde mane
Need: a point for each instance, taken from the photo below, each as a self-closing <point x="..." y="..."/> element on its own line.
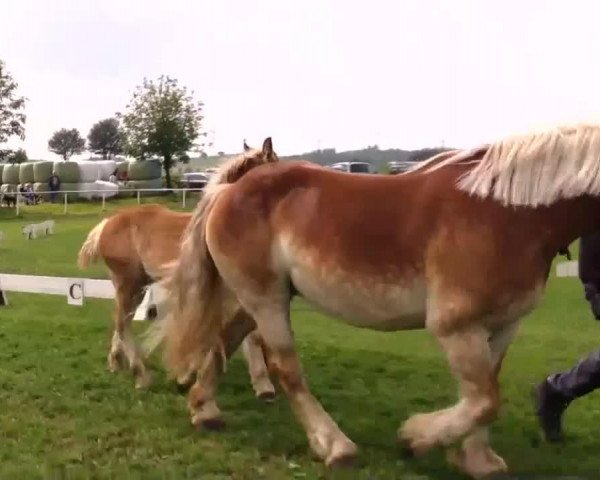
<point x="533" y="169"/>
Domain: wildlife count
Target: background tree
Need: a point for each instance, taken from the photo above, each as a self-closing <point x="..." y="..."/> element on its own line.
<point x="66" y="142"/>
<point x="12" y="118"/>
<point x="19" y="156"/>
<point x="163" y="120"/>
<point x="106" y="138"/>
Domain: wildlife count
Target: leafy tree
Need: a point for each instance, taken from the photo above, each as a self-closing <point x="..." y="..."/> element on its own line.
<point x="106" y="137"/>
<point x="4" y="154"/>
<point x="162" y="120"/>
<point x="19" y="156"/>
<point x="12" y="118"/>
<point x="66" y="142"/>
<point x="11" y="156"/>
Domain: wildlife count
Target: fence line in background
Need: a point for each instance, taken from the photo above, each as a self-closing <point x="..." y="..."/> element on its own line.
<point x="78" y="289"/>
<point x="20" y="196"/>
<point x="567" y="269"/>
<point x="75" y="289"/>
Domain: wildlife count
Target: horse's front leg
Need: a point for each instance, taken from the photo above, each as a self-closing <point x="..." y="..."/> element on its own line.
<point x="471" y="361"/>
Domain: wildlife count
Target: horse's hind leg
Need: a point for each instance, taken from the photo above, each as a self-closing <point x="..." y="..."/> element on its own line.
<point x="325" y="437"/>
<point x="129" y="295"/>
<point x="202" y="395"/>
<point x="257" y="369"/>
<point x="116" y="355"/>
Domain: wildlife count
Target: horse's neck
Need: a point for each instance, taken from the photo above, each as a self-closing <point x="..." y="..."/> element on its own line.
<point x="569" y="220"/>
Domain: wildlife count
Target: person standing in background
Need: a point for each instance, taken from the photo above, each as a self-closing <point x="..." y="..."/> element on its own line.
<point x="54" y="185"/>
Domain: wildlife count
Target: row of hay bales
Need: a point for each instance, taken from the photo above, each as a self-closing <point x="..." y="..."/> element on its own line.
<point x="81" y="176"/>
<point x="146" y="174"/>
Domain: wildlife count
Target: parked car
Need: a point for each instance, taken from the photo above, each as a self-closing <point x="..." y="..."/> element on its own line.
<point x="399" y="167"/>
<point x="193" y="180"/>
<point x="352" y="167"/>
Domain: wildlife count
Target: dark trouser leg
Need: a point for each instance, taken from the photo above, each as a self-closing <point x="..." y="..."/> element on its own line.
<point x="582" y="379"/>
<point x="555" y="394"/>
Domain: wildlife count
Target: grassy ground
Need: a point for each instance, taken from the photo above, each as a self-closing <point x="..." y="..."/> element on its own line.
<point x="62" y="415"/>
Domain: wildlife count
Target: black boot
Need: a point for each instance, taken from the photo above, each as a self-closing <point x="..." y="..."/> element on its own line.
<point x="549" y="408"/>
<point x="555" y="394"/>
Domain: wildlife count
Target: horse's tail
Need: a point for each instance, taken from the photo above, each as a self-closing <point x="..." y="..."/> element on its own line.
<point x="197" y="308"/>
<point x="191" y="331"/>
<point x="89" y="250"/>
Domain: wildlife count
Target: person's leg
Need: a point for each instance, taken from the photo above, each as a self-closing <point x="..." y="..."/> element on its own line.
<point x="554" y="394"/>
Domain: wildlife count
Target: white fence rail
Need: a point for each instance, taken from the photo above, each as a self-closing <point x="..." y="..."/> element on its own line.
<point x="21" y="196"/>
<point x="74" y="289"/>
<point x="77" y="289"/>
<point x="567" y="269"/>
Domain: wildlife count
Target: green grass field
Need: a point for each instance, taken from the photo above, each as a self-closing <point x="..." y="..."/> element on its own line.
<point x="62" y="415"/>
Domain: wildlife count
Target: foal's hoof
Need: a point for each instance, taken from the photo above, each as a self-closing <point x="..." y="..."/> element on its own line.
<point x="406" y="451"/>
<point x="342" y="454"/>
<point x="267" y="397"/>
<point x="115" y="362"/>
<point x="143" y="381"/>
<point x="414" y="447"/>
<point x="183" y="385"/>
<point x="183" y="388"/>
<point x="345" y="461"/>
<point x="213" y="424"/>
<point x="152" y="313"/>
<point x="184" y="382"/>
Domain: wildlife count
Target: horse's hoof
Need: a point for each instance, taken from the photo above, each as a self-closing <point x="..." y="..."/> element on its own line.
<point x="346" y="461"/>
<point x="183" y="388"/>
<point x="267" y="397"/>
<point x="152" y="313"/>
<point x="143" y="382"/>
<point x="406" y="451"/>
<point x="213" y="424"/>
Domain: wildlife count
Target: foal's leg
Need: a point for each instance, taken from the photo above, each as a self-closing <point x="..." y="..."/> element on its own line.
<point x="129" y="295"/>
<point x="325" y="437"/>
<point x="257" y="368"/>
<point x="475" y="456"/>
<point x="470" y="360"/>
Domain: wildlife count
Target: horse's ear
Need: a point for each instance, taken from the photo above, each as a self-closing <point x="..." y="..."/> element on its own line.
<point x="267" y="148"/>
<point x="246" y="147"/>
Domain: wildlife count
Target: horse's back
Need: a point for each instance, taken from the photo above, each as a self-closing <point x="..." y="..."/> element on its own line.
<point x="142" y="237"/>
<point x="377" y="218"/>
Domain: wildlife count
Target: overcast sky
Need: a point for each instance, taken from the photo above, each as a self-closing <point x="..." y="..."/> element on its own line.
<point x="312" y="73"/>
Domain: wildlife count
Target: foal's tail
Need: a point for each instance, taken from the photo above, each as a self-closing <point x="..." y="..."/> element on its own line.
<point x="89" y="250"/>
<point x="197" y="304"/>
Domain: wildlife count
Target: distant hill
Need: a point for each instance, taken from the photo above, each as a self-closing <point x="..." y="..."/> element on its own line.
<point x="373" y="155"/>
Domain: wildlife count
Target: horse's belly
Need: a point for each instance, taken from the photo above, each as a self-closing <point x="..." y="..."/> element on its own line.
<point x="369" y="302"/>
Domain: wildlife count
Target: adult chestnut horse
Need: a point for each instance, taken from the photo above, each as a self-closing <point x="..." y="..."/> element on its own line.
<point x="461" y="246"/>
<point x="134" y="244"/>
